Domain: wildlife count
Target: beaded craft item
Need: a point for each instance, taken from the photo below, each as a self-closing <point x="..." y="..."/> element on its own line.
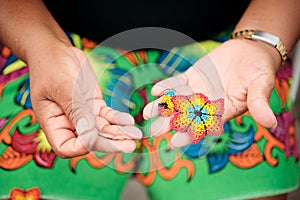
<point x="194" y="114"/>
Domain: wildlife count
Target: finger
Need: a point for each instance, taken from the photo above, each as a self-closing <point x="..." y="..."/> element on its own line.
<point x="94" y="141"/>
<point x="197" y="81"/>
<point x="116" y="117"/>
<point x="114" y="146"/>
<point x="258" y="101"/>
<point x="97" y="105"/>
<point x="121" y="132"/>
<point x="113" y="116"/>
<point x="67" y="146"/>
<point x="72" y="100"/>
<point x="168" y="84"/>
<point x="65" y="143"/>
<point x="208" y="75"/>
<point x="59" y="131"/>
<point x="151" y="109"/>
<point x="160" y="126"/>
<point x="180" y="139"/>
<point x="184" y="90"/>
<point x="80" y="108"/>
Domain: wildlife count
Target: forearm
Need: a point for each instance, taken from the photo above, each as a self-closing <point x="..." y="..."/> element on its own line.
<point x="279" y="17"/>
<point x="27" y="27"/>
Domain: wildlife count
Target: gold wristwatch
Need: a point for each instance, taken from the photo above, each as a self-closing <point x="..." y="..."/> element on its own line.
<point x="268" y="38"/>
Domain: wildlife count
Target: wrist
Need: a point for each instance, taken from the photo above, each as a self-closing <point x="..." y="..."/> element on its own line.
<point x="267" y="48"/>
<point x="265" y="37"/>
<point x="277" y="17"/>
<point x="42" y="49"/>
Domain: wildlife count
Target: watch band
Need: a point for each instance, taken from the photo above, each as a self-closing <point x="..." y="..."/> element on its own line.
<point x="268" y="38"/>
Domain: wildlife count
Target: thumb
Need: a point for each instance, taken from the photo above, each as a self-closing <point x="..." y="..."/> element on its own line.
<point x="80" y="108"/>
<point x="78" y="90"/>
<point x="79" y="112"/>
<point x="258" y="101"/>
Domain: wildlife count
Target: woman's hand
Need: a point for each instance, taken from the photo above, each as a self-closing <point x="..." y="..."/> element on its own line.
<point x="68" y="104"/>
<point x="247" y="73"/>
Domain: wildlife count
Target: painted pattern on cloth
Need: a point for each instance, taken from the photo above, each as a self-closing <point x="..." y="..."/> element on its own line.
<point x="126" y="85"/>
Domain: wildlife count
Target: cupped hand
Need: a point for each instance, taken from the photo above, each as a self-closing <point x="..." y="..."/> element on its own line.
<point x="239" y="70"/>
<point x="68" y="105"/>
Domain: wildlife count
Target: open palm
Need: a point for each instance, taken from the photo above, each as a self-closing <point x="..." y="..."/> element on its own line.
<point x="240" y="71"/>
<point x="68" y="104"/>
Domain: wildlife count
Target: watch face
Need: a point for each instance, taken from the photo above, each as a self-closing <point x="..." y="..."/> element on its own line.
<point x="265" y="37"/>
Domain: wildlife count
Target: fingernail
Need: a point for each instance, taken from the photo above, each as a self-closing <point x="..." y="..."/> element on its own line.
<point x="132" y="131"/>
<point x="160" y="126"/>
<point x="155" y="130"/>
<point x="150" y="111"/>
<point x="124" y="118"/>
<point x="276" y="123"/>
<point x="179" y="140"/>
<point x="82" y="125"/>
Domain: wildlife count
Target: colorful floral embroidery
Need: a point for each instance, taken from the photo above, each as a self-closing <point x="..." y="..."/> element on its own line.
<point x="286" y="133"/>
<point x="22" y="140"/>
<point x="166" y="105"/>
<point x="219" y="149"/>
<point x="20" y="130"/>
<point x="20" y="194"/>
<point x="158" y="164"/>
<point x="23" y="97"/>
<point x="238" y="143"/>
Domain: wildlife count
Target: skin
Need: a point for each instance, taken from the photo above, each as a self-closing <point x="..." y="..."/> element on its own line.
<point x="70" y="110"/>
<point x="246" y="67"/>
<point x="74" y="121"/>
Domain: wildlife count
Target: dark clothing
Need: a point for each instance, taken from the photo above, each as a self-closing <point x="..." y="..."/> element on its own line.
<point x="100" y="19"/>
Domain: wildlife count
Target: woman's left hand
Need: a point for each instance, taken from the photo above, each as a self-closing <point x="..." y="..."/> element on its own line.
<point x="247" y="73"/>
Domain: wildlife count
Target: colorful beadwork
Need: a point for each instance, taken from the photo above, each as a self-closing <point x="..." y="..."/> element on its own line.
<point x="166" y="106"/>
<point x="194" y="114"/>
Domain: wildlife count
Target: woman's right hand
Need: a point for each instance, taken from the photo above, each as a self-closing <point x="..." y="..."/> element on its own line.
<point x="68" y="104"/>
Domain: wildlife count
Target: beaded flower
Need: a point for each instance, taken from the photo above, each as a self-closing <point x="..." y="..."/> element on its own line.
<point x="194" y="114"/>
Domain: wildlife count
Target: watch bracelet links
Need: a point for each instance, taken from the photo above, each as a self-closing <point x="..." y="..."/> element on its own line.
<point x="248" y="34"/>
